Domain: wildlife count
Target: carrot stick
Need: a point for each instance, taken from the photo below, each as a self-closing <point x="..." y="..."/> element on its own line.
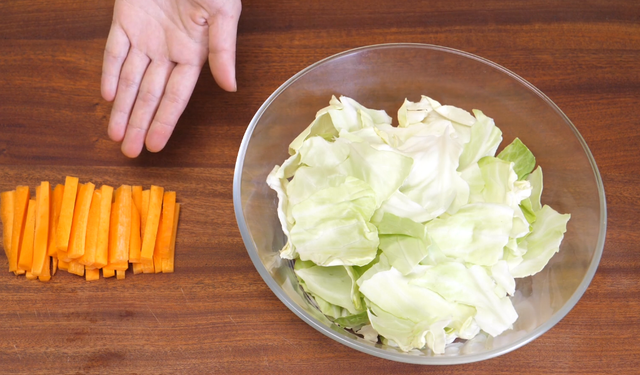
<point x="157" y="259"/>
<point x="42" y="228"/>
<point x="135" y="242"/>
<point x="168" y="262"/>
<point x="25" y="259"/>
<point x="22" y="197"/>
<point x="118" y="259"/>
<point x="63" y="265"/>
<point x="144" y="210"/>
<point x="78" y="237"/>
<point x="164" y="235"/>
<point x="76" y="268"/>
<point x="30" y="276"/>
<point x="63" y="231"/>
<point x="102" y="247"/>
<point x="89" y="256"/>
<point x="153" y="220"/>
<point x="137" y="268"/>
<point x="54" y="211"/>
<point x="136" y="194"/>
<point x="45" y="275"/>
<point x="108" y="273"/>
<point x="136" y="229"/>
<point x="54" y="266"/>
<point x="120" y="274"/>
<point x="7" y="208"/>
<point x="146" y="265"/>
<point x="64" y="254"/>
<point x="92" y="274"/>
<point x="113" y="233"/>
<point x="157" y="263"/>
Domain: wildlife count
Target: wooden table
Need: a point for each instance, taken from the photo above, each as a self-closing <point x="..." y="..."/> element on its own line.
<point x="215" y="314"/>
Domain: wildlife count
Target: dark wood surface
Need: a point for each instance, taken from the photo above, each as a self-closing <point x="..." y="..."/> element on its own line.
<point x="215" y="314"/>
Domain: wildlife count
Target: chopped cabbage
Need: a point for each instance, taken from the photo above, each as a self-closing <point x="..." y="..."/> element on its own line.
<point x="413" y="233"/>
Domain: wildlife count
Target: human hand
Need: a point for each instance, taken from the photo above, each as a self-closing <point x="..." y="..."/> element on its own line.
<point x="153" y="57"/>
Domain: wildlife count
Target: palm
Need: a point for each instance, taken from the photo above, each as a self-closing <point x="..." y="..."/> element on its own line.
<point x="153" y="58"/>
<point x="160" y="33"/>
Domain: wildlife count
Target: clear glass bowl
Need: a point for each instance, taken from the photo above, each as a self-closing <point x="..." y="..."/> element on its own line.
<point x="381" y="77"/>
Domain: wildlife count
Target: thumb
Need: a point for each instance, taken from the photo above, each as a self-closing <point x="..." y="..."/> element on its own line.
<point x="223" y="28"/>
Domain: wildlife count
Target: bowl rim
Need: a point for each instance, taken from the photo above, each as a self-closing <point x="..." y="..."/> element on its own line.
<point x="372" y="350"/>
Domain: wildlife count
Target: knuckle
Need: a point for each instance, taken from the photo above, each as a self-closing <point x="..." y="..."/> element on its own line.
<point x="128" y="82"/>
<point x="137" y="126"/>
<point x="162" y="126"/>
<point x="113" y="54"/>
<point x="119" y="115"/>
<point x="148" y="97"/>
<point x="175" y="99"/>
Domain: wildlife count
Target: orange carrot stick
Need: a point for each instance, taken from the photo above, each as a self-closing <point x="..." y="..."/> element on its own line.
<point x="135" y="242"/>
<point x="136" y="194"/>
<point x="169" y="261"/>
<point x="63" y="231"/>
<point x="146" y="265"/>
<point x="137" y="233"/>
<point x="7" y="208"/>
<point x="42" y="228"/>
<point x="157" y="259"/>
<point x="137" y="268"/>
<point x="89" y="256"/>
<point x="45" y="275"/>
<point x="108" y="273"/>
<point x="76" y="268"/>
<point x="64" y="254"/>
<point x="120" y="274"/>
<point x="30" y="276"/>
<point x="63" y="265"/>
<point x="78" y="237"/>
<point x="118" y="259"/>
<point x="92" y="274"/>
<point x="54" y="266"/>
<point x="22" y="197"/>
<point x="144" y="210"/>
<point x="54" y="215"/>
<point x="157" y="263"/>
<point x="25" y="259"/>
<point x="113" y="232"/>
<point x="153" y="220"/>
<point x="102" y="247"/>
<point x="164" y="235"/>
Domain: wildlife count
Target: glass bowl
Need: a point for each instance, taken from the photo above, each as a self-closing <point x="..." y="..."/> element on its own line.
<point x="381" y="77"/>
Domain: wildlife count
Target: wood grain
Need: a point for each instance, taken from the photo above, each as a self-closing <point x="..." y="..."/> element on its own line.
<point x="215" y="314"/>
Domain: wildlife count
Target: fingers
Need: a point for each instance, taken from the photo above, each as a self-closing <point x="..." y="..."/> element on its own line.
<point x="128" y="85"/>
<point x="176" y="96"/>
<point x="115" y="53"/>
<point x="222" y="47"/>
<point x="149" y="96"/>
<point x="151" y="91"/>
